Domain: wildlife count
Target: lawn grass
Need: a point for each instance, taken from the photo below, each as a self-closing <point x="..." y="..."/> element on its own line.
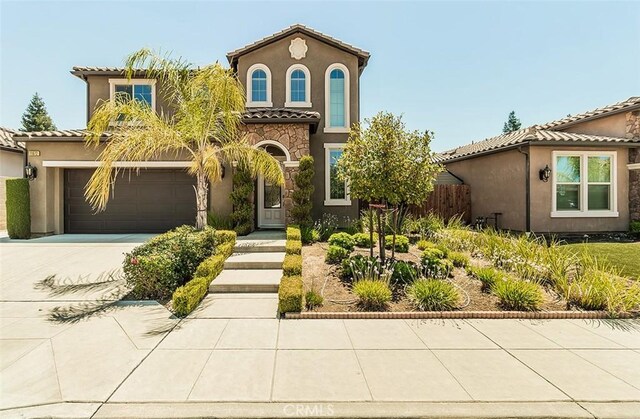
<point x="624" y="256"/>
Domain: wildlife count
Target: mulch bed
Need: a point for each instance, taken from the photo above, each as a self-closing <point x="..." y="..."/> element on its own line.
<point x="325" y="278"/>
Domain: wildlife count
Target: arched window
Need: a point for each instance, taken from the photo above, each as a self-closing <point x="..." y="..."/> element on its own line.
<point x="259" y="86"/>
<point x="298" y="87"/>
<point x="337" y="99"/>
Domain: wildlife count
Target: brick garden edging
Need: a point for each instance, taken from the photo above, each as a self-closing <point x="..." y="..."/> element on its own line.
<point x="461" y="315"/>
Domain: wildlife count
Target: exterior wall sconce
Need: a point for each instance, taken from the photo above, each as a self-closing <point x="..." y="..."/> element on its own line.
<point x="30" y="172"/>
<point x="545" y="174"/>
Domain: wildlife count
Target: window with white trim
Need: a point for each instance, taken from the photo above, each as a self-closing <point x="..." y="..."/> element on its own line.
<point x="337" y="98"/>
<point x="336" y="189"/>
<point x="584" y="184"/>
<point x="298" y="87"/>
<point x="142" y="90"/>
<point x="259" y="86"/>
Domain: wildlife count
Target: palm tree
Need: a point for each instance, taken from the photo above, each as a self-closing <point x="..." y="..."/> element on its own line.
<point x="204" y="124"/>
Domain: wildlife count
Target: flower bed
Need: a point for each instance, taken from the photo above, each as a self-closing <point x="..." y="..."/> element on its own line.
<point x="466" y="271"/>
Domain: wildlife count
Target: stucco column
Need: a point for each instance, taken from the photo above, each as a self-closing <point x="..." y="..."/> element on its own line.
<point x="633" y="131"/>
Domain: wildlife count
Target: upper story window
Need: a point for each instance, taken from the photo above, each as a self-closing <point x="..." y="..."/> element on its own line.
<point x="143" y="90"/>
<point x="584" y="184"/>
<point x="337" y="99"/>
<point x="258" y="86"/>
<point x="298" y="87"/>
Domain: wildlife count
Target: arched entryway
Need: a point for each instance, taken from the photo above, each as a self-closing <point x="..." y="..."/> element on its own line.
<point x="270" y="208"/>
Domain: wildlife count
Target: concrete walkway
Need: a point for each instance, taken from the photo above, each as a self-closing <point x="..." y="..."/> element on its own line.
<point x="65" y="352"/>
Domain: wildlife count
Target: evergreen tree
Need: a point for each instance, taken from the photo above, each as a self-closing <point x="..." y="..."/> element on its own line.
<point x="36" y="118"/>
<point x="512" y="124"/>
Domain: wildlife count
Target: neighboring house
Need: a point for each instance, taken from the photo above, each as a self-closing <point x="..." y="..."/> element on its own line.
<point x="11" y="165"/>
<point x="594" y="173"/>
<point x="302" y="96"/>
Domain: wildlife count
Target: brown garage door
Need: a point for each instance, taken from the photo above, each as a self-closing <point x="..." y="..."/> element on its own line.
<point x="151" y="201"/>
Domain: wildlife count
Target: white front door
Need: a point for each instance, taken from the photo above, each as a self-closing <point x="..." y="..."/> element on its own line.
<point x="270" y="205"/>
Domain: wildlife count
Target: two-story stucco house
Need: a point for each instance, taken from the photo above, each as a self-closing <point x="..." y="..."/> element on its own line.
<point x="302" y="91"/>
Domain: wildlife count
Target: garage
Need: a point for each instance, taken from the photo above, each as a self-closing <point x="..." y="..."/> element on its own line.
<point x="149" y="201"/>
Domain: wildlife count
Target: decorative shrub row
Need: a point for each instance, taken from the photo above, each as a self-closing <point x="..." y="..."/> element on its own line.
<point x="18" y="205"/>
<point x="290" y="291"/>
<point x="186" y="298"/>
<point x="156" y="268"/>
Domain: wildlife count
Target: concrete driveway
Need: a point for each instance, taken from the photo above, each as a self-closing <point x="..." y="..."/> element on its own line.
<point x="68" y="348"/>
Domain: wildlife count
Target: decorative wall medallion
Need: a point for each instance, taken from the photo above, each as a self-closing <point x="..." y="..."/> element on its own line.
<point x="298" y="48"/>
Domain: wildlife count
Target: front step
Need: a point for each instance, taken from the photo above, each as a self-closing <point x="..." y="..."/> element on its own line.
<point x="247" y="280"/>
<point x="259" y="246"/>
<point x="255" y="260"/>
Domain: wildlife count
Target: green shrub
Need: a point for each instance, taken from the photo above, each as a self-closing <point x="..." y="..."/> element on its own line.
<point x="459" y="260"/>
<point x="18" y="204"/>
<point x="313" y="299"/>
<point x="424" y="244"/>
<point x="225" y="236"/>
<point x="634" y="226"/>
<point x="241" y="195"/>
<point x="293" y="247"/>
<point x="219" y="222"/>
<point x="402" y="243"/>
<point x="434" y="265"/>
<point x="290" y="294"/>
<point x="404" y="272"/>
<point x="309" y="235"/>
<point x="336" y="254"/>
<point x="292" y="265"/>
<point x="344" y="240"/>
<point x="187" y="297"/>
<point x="303" y="192"/>
<point x="156" y="268"/>
<point x="518" y="295"/>
<point x="293" y="233"/>
<point x="444" y="249"/>
<point x="364" y="240"/>
<point x="360" y="266"/>
<point x="487" y="276"/>
<point x="433" y="295"/>
<point x="372" y="294"/>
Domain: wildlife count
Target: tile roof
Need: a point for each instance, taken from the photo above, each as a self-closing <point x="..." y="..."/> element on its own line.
<point x="67" y="133"/>
<point x="260" y="114"/>
<point x="6" y="139"/>
<point x="625" y="105"/>
<point x="362" y="54"/>
<point x="545" y="133"/>
<point x="527" y="135"/>
<point x="254" y="115"/>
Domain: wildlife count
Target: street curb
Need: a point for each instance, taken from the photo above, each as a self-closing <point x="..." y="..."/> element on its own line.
<point x="461" y="315"/>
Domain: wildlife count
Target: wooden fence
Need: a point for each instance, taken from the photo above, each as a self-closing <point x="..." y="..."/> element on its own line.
<point x="447" y="201"/>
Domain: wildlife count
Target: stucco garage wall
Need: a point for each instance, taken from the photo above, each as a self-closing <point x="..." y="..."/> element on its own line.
<point x="497" y="183"/>
<point x="47" y="190"/>
<point x="541" y="194"/>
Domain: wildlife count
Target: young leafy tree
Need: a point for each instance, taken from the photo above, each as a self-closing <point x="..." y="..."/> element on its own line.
<point x="512" y="124"/>
<point x="36" y="118"/>
<point x="388" y="165"/>
<point x="204" y="124"/>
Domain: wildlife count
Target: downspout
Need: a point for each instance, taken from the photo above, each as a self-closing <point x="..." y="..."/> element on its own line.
<point x="527" y="160"/>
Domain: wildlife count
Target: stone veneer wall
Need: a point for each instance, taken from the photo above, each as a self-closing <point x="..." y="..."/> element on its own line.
<point x="295" y="138"/>
<point x="633" y="131"/>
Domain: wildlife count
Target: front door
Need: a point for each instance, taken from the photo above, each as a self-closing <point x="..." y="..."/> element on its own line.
<point x="270" y="205"/>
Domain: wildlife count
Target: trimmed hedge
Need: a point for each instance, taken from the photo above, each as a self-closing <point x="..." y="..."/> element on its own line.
<point x="186" y="298"/>
<point x="402" y="243"/>
<point x="293" y="247"/>
<point x="290" y="294"/>
<point x="290" y="291"/>
<point x="18" y="209"/>
<point x="292" y="265"/>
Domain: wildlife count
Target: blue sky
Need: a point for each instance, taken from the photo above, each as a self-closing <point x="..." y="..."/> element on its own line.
<point x="456" y="68"/>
